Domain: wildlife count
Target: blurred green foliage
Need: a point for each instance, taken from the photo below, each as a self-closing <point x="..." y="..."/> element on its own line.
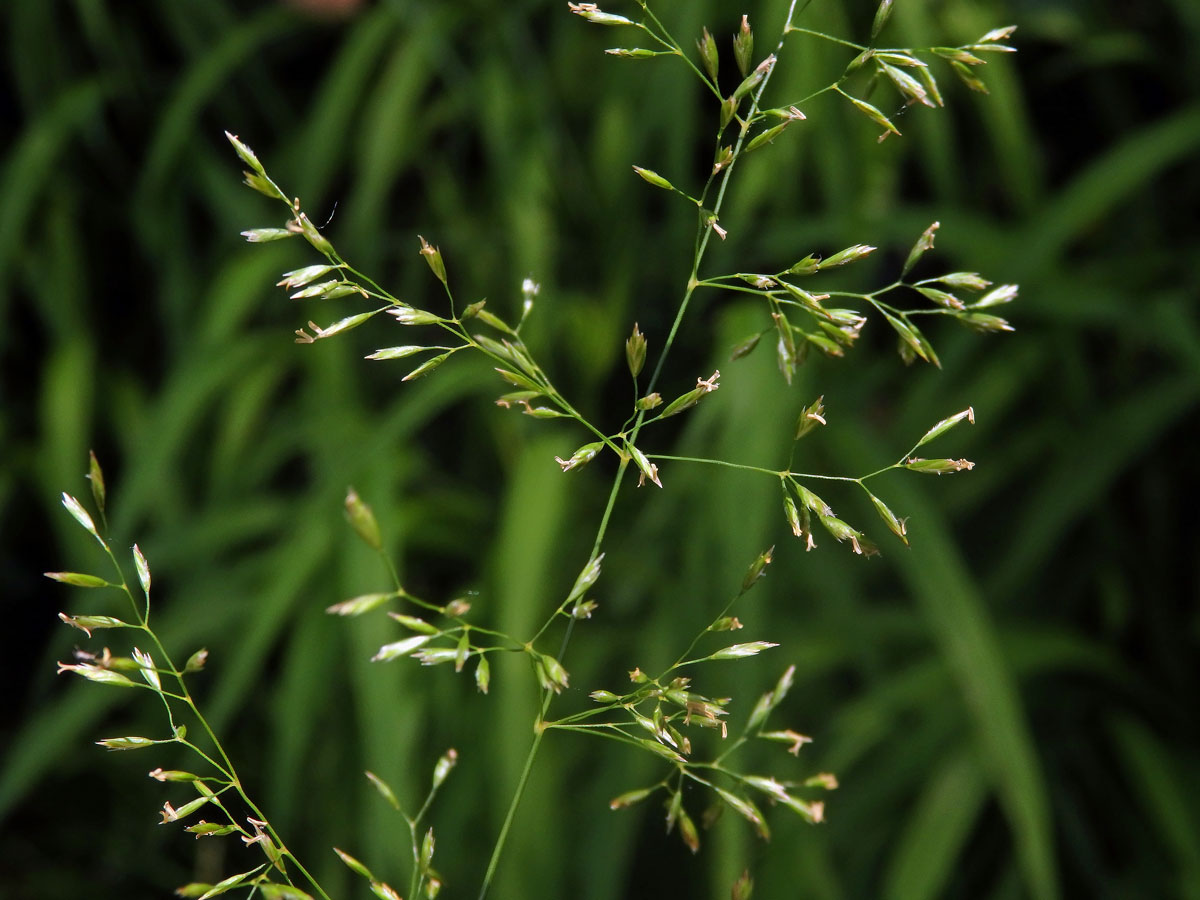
<point x="1005" y="704"/>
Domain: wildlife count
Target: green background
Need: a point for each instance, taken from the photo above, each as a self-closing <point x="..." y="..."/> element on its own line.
<point x="1009" y="705"/>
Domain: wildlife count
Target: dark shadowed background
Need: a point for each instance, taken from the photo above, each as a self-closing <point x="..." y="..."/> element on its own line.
<point x="1009" y="705"/>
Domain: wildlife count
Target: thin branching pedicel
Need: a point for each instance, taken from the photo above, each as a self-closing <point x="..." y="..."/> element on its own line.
<point x="159" y="674"/>
<point x="666" y="715"/>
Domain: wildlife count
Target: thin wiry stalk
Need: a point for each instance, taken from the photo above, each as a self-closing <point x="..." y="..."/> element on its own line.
<point x="702" y="245"/>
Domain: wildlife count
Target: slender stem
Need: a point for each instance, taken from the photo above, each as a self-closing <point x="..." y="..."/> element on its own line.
<point x="418" y="876"/>
<point x="731" y="749"/>
<point x="596" y="545"/>
<point x="670" y="42"/>
<point x="382" y="293"/>
<point x="702" y="244"/>
<point x="225" y="766"/>
<point x="742" y="288"/>
<point x="707" y="230"/>
<point x="828" y="37"/>
<point x="414" y="882"/>
<point x="585" y="714"/>
<point x="502" y="838"/>
<point x="715" y="462"/>
<point x="829" y="477"/>
<point x="512" y="811"/>
<point x="610" y="730"/>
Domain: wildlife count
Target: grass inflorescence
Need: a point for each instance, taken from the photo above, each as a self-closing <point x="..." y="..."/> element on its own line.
<point x="694" y="739"/>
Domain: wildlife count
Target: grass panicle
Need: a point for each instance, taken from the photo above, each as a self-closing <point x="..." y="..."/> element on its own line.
<point x="692" y="738"/>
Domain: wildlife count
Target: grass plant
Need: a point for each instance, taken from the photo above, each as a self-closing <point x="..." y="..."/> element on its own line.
<point x="233" y="453"/>
<point x="660" y="713"/>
